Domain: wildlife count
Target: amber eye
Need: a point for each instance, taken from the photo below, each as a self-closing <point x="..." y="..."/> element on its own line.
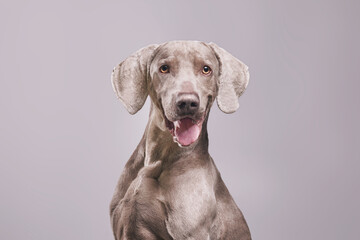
<point x="164" y="69"/>
<point x="206" y="70"/>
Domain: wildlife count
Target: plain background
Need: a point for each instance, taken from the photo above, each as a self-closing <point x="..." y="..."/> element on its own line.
<point x="289" y="156"/>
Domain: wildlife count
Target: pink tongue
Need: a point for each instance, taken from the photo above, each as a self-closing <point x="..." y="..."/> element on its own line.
<point x="187" y="132"/>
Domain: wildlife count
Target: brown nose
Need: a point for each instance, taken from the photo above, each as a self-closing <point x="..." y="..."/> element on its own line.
<point x="187" y="103"/>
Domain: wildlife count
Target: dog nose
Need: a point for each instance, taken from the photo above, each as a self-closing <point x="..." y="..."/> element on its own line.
<point x="187" y="103"/>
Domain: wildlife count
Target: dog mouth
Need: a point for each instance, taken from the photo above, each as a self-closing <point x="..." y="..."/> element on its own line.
<point x="185" y="131"/>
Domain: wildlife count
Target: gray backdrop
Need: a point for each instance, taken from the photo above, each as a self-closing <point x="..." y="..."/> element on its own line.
<point x="289" y="156"/>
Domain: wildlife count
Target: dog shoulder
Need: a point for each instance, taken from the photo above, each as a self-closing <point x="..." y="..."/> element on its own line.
<point x="130" y="172"/>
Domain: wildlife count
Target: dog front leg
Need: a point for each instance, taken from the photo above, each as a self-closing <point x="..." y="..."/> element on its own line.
<point x="141" y="213"/>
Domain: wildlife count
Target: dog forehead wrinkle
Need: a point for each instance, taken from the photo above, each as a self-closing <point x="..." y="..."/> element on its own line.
<point x="169" y="59"/>
<point x="180" y="53"/>
<point x="183" y="47"/>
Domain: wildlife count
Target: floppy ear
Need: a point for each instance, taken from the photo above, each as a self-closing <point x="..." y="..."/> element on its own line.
<point x="233" y="79"/>
<point x="129" y="79"/>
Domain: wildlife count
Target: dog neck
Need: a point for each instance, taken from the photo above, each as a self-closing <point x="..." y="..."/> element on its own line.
<point x="159" y="143"/>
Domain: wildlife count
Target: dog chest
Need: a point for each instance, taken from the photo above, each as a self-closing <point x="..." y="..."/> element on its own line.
<point x="190" y="202"/>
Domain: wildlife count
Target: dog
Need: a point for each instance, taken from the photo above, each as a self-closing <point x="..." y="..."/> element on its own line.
<point x="170" y="188"/>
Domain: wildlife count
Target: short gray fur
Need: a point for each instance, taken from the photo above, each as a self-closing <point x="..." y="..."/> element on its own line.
<point x="168" y="191"/>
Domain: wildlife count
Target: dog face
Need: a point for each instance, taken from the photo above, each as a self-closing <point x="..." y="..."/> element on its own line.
<point x="182" y="78"/>
<point x="183" y="84"/>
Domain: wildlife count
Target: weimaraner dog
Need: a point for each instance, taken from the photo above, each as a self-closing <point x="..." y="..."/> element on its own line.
<point x="170" y="188"/>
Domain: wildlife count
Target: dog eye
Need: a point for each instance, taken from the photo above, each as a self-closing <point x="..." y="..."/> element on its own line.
<point x="164" y="69"/>
<point x="206" y="70"/>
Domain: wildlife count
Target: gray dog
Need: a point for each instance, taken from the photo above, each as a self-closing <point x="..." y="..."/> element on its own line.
<point x="170" y="187"/>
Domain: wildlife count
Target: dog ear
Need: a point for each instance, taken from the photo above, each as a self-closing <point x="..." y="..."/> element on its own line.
<point x="129" y="79"/>
<point x="233" y="79"/>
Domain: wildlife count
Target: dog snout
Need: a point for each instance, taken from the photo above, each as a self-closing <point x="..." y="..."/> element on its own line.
<point x="187" y="104"/>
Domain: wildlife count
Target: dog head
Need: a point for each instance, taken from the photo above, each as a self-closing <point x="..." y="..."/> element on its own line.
<point x="182" y="78"/>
